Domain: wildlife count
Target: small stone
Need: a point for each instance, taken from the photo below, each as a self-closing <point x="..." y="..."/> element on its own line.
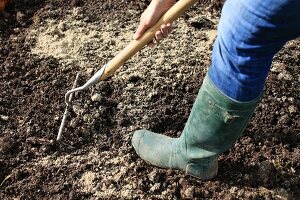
<point x="16" y="30"/>
<point x="130" y="85"/>
<point x="28" y="130"/>
<point x="155" y="187"/>
<point x="96" y="97"/>
<point x="62" y="26"/>
<point x="127" y="194"/>
<point x="170" y="172"/>
<point x="6" y="145"/>
<point x="20" y="16"/>
<point x="201" y="36"/>
<point x="164" y="194"/>
<point x="284" y="119"/>
<point x="241" y="193"/>
<point x="277" y="67"/>
<point x="181" y="181"/>
<point x="283" y="98"/>
<point x="74" y="123"/>
<point x="189" y="192"/>
<point x="292" y="109"/>
<point x="4" y="117"/>
<point x="233" y="190"/>
<point x="291" y="99"/>
<point x="86" y="118"/>
<point x="96" y="115"/>
<point x="78" y="110"/>
<point x="266" y="171"/>
<point x="153" y="176"/>
<point x="285" y="75"/>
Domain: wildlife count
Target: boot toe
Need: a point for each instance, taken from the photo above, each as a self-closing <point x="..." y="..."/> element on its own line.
<point x="152" y="147"/>
<point x="136" y="140"/>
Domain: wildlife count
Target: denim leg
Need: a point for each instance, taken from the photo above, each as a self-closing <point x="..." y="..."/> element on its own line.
<point x="250" y="33"/>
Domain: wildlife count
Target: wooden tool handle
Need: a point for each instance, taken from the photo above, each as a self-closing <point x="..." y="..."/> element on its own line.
<point x="136" y="45"/>
<point x="2" y="4"/>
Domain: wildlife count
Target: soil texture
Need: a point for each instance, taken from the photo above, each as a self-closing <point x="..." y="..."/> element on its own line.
<point x="44" y="44"/>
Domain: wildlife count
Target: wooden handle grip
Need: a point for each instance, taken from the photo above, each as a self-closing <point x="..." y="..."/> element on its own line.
<point x="136" y="45"/>
<point x="2" y="4"/>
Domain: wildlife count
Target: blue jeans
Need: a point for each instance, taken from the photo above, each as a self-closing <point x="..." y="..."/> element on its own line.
<point x="250" y="33"/>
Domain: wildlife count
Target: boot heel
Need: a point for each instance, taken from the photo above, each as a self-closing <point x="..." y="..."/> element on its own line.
<point x="204" y="169"/>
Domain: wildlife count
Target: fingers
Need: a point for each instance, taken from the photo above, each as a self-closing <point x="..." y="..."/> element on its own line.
<point x="151" y="15"/>
<point x="161" y="34"/>
<point x="165" y="30"/>
<point x="151" y="44"/>
<point x="158" y="36"/>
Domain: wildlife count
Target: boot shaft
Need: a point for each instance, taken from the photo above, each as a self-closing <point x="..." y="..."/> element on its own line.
<point x="216" y="121"/>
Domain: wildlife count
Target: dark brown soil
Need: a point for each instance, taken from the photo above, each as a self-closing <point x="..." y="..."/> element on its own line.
<point x="95" y="159"/>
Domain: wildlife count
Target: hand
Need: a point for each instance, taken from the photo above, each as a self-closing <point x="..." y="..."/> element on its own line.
<point x="151" y="15"/>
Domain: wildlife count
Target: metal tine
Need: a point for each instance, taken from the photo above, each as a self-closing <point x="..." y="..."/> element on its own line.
<point x="67" y="109"/>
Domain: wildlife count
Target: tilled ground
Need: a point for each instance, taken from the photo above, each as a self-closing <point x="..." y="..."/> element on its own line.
<point x="43" y="44"/>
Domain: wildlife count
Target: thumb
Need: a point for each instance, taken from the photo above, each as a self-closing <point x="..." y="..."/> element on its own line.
<point x="140" y="31"/>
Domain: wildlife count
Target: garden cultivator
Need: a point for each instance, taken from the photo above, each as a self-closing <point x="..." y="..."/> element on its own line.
<point x="133" y="47"/>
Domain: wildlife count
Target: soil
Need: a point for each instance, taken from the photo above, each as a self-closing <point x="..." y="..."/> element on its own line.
<point x="43" y="44"/>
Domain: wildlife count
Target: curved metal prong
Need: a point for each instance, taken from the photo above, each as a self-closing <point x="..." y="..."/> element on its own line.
<point x="92" y="81"/>
<point x="63" y="121"/>
<point x="69" y="94"/>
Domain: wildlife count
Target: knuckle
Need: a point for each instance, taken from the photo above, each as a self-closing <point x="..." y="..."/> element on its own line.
<point x="146" y="23"/>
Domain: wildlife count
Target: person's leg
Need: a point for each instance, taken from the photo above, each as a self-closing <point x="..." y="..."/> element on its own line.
<point x="214" y="124"/>
<point x="230" y="92"/>
<point x="250" y="33"/>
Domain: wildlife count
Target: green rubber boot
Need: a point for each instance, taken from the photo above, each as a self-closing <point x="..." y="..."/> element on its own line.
<point x="214" y="124"/>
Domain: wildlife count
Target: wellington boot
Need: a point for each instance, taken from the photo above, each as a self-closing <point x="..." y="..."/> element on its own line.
<point x="214" y="124"/>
